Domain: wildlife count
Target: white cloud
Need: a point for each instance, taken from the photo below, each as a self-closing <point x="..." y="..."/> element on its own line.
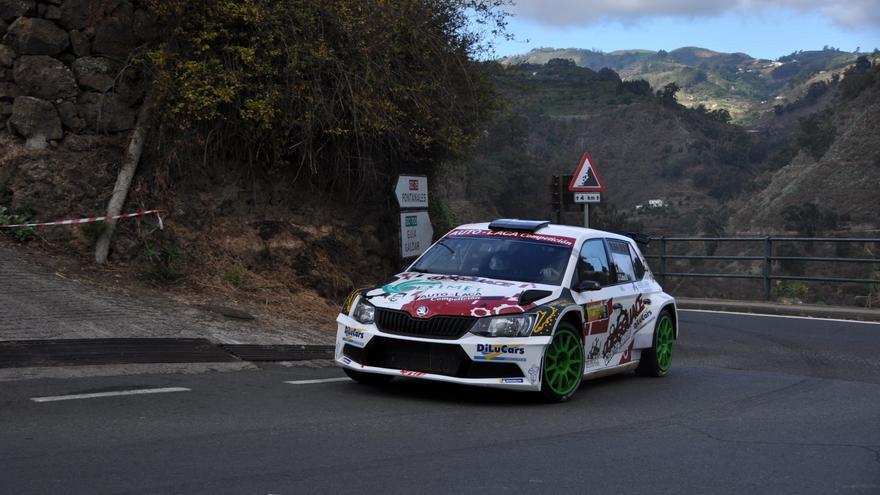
<point x="846" y="13"/>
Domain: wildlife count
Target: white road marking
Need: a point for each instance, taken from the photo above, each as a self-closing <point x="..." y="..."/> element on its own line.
<point x="324" y="380"/>
<point x="110" y="394"/>
<point x="778" y="316"/>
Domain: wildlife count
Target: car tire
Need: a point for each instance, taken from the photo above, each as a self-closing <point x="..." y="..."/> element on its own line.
<point x="367" y="378"/>
<point x="657" y="360"/>
<point x="562" y="370"/>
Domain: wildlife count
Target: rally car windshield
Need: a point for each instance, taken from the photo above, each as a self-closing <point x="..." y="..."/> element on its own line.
<point x="498" y="258"/>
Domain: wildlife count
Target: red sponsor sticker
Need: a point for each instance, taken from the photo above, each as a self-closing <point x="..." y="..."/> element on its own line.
<point x="413" y="184"/>
<point x="411" y="373"/>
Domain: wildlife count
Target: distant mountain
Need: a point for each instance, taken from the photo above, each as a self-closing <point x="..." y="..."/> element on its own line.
<point x="815" y="157"/>
<point x="737" y="82"/>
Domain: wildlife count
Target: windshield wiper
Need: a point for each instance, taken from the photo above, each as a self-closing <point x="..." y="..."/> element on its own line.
<point x="443" y="243"/>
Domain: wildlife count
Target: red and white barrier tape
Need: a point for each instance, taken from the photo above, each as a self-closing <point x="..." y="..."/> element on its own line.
<point x="77" y="221"/>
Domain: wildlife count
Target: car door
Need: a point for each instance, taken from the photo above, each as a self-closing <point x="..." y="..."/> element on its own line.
<point x="593" y="264"/>
<point x="627" y="304"/>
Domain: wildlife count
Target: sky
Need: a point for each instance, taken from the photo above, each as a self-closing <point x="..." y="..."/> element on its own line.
<point x="761" y="28"/>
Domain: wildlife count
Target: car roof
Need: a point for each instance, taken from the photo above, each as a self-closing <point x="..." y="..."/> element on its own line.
<point x="578" y="233"/>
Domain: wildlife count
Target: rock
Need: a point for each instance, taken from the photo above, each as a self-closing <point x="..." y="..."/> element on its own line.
<point x="105" y="112"/>
<point x="29" y="36"/>
<point x="41" y="10"/>
<point x="131" y="87"/>
<point x="5" y="108"/>
<point x="36" y="142"/>
<point x="69" y="115"/>
<point x="115" y="35"/>
<point x="3" y="27"/>
<point x="80" y="44"/>
<point x="35" y="119"/>
<point x="75" y="14"/>
<point x="44" y="77"/>
<point x="144" y="26"/>
<point x="9" y="91"/>
<point x="52" y="13"/>
<point x="7" y="56"/>
<point x="66" y="58"/>
<point x="10" y="9"/>
<point x="95" y="73"/>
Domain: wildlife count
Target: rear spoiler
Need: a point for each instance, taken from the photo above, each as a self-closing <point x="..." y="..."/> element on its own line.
<point x="639" y="238"/>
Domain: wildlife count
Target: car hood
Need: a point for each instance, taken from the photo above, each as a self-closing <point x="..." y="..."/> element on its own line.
<point x="424" y="295"/>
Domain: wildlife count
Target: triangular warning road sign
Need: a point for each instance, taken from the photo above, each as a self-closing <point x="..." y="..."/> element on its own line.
<point x="586" y="178"/>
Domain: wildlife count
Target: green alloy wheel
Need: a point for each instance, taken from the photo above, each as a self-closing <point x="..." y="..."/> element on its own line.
<point x="657" y="360"/>
<point x="563" y="365"/>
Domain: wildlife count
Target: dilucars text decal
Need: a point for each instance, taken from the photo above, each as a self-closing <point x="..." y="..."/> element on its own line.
<point x="500" y="352"/>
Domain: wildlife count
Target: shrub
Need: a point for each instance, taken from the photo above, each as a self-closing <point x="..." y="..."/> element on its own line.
<point x="21" y="234"/>
<point x="163" y="261"/>
<point x="234" y="276"/>
<point x="816" y="134"/>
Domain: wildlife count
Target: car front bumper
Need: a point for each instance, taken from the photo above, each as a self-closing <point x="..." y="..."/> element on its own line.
<point x="512" y="363"/>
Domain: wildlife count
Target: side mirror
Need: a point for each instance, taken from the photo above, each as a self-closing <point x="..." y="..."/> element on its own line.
<point x="587" y="285"/>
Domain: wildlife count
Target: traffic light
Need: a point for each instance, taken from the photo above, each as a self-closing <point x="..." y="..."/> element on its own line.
<point x="556" y="197"/>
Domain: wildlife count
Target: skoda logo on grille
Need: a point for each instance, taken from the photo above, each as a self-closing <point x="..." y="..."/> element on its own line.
<point x="422" y="311"/>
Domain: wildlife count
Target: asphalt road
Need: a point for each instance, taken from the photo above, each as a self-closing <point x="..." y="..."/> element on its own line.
<point x="754" y="405"/>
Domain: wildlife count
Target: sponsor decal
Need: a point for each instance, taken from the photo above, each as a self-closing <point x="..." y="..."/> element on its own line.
<point x="643" y="319"/>
<point x="497" y="310"/>
<point x="422" y="311"/>
<point x="411" y="373"/>
<point x="534" y="372"/>
<point x="545" y="323"/>
<point x="628" y="355"/>
<point x="620" y="334"/>
<point x="413" y="184"/>
<point x="354" y="336"/>
<point x="511" y="380"/>
<point x="346" y="360"/>
<point x="593" y="355"/>
<point x="598" y="326"/>
<point x="545" y="320"/>
<point x="410" y="286"/>
<point x="346" y="306"/>
<point x="500" y="352"/>
<point x="549" y="239"/>
<point x="597" y="311"/>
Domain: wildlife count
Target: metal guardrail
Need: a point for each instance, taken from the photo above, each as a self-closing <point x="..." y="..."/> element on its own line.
<point x="767" y="275"/>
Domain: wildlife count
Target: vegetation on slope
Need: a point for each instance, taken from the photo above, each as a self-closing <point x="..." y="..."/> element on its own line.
<point x="342" y="91"/>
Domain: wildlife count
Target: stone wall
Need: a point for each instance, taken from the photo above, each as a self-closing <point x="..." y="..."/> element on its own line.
<point x="65" y="68"/>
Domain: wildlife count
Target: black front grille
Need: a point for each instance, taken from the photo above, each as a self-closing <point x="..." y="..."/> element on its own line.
<point x="427" y="357"/>
<point x="438" y="327"/>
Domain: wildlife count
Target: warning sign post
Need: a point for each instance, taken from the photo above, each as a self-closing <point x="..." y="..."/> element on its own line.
<point x="586" y="179"/>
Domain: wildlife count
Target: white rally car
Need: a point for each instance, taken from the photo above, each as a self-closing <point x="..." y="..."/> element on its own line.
<point x="517" y="304"/>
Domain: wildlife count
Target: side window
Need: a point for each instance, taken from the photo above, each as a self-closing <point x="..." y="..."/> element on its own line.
<point x="593" y="263"/>
<point x="621" y="260"/>
<point x="637" y="264"/>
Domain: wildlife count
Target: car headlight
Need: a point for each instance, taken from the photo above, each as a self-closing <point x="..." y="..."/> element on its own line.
<point x="364" y="312"/>
<point x="504" y="326"/>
